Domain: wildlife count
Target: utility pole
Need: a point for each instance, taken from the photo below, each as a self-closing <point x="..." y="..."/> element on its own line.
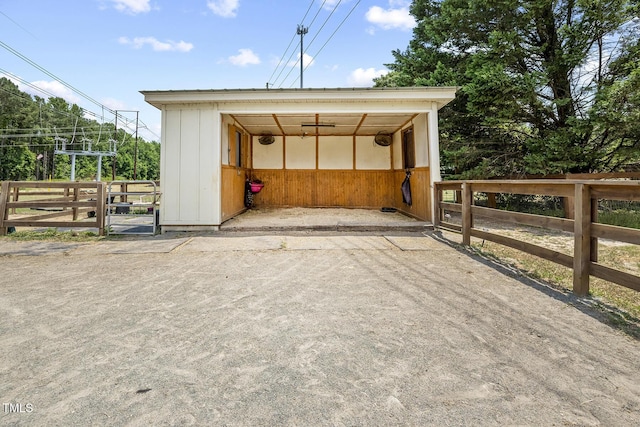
<point x="302" y="30"/>
<point x="135" y="151"/>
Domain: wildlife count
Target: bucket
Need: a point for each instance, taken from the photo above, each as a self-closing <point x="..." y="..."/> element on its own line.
<point x="256" y="187"/>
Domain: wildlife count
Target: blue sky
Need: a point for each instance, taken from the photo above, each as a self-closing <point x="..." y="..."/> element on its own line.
<point x="112" y="49"/>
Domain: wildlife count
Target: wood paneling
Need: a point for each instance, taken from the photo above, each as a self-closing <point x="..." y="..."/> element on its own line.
<point x="421" y="203"/>
<point x="325" y="188"/>
<point x="233" y="181"/>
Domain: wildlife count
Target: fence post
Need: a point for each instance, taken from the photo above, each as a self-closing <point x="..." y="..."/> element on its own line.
<point x="16" y="196"/>
<point x="4" y="214"/>
<point x="467" y="220"/>
<point x="582" y="236"/>
<point x="100" y="207"/>
<point x="75" y="199"/>
<point x="437" y="211"/>
<point x="594" y="240"/>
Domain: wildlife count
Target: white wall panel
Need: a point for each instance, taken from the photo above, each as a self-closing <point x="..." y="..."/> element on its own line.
<point x="300" y="152"/>
<point x="268" y="156"/>
<point x="370" y="155"/>
<point x="209" y="168"/>
<point x="396" y="146"/>
<point x="189" y="161"/>
<point x="170" y="167"/>
<point x="335" y="152"/>
<point x="421" y="140"/>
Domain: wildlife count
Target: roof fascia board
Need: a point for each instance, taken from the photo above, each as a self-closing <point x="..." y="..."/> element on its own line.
<point x="441" y="95"/>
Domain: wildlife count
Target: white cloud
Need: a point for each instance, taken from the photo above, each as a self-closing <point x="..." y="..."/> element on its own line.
<point x="114" y="104"/>
<point x="330" y="4"/>
<point x="224" y="8"/>
<point x="397" y="16"/>
<point x="307" y="61"/>
<point x="132" y="6"/>
<point x="244" y="58"/>
<point x="364" y="78"/>
<point x="156" y="45"/>
<point x="54" y="88"/>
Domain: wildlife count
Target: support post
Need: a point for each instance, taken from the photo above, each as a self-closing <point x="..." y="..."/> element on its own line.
<point x="582" y="236"/>
<point x="4" y="213"/>
<point x="73" y="167"/>
<point x="467" y="219"/>
<point x="99" y="171"/>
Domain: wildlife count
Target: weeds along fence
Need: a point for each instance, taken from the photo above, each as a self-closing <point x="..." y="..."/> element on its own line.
<point x="586" y="199"/>
<point x="52" y="204"/>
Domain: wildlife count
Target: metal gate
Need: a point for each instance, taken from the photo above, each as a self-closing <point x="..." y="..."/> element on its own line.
<point x="132" y="207"/>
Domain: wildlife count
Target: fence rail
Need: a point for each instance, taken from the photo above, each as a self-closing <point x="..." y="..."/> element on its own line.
<point x="64" y="201"/>
<point x="584" y="197"/>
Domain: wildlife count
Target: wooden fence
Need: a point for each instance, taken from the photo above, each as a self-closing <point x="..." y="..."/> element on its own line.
<point x="584" y="226"/>
<point x="51" y="204"/>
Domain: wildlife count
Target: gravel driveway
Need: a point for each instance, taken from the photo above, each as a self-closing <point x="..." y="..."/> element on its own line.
<point x="298" y="330"/>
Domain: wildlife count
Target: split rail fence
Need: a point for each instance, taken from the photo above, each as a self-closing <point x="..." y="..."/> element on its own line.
<point x="52" y="204"/>
<point x="585" y="196"/>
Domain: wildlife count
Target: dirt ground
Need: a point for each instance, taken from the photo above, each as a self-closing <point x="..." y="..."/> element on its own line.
<point x="313" y="329"/>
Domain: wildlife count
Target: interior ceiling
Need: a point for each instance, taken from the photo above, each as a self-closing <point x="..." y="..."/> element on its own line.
<point x="325" y="124"/>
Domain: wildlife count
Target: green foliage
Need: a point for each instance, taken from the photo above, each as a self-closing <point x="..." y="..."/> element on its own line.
<point x="544" y="87"/>
<point x="32" y="156"/>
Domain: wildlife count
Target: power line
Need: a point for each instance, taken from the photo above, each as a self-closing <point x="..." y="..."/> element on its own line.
<point x="69" y="86"/>
<point x="302" y="52"/>
<point x="305" y="50"/>
<point x="287" y="50"/>
<point x="331" y="36"/>
<point x="336" y="30"/>
<point x="53" y="76"/>
<point x="18" y="25"/>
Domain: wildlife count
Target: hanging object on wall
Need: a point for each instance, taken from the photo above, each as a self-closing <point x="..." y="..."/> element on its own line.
<point x="266" y="139"/>
<point x="383" y="138"/>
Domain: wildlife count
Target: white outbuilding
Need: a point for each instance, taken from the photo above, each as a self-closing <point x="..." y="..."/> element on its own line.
<point x="308" y="147"/>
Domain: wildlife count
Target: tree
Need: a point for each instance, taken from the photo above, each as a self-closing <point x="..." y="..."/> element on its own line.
<point x="538" y="82"/>
<point x="28" y="130"/>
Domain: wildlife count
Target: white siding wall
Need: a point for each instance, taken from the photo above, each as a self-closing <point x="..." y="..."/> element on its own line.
<point x="190" y="168"/>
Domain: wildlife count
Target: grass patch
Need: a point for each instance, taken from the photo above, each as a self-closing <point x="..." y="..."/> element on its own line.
<point x="621" y="218"/>
<point x="51" y="234"/>
<point x="622" y="257"/>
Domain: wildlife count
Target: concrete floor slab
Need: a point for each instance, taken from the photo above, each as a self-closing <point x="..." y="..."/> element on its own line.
<point x="242" y="243"/>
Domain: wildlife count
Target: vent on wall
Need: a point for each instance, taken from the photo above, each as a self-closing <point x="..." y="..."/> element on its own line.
<point x="383" y="139"/>
<point x="266" y="139"/>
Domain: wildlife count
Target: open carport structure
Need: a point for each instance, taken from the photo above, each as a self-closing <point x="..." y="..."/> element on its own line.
<point x="350" y="147"/>
<point x="299" y="329"/>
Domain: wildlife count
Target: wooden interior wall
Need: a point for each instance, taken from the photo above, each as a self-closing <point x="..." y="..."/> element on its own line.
<point x="325" y="188"/>
<point x="232" y="191"/>
<point x="420" y="188"/>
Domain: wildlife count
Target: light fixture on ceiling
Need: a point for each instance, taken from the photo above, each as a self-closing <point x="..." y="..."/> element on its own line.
<point x="318" y="125"/>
